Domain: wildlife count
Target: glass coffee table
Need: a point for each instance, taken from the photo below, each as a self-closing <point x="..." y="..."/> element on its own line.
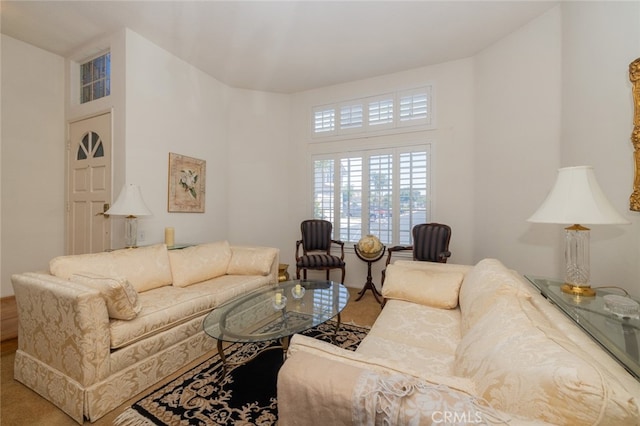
<point x="276" y="313"/>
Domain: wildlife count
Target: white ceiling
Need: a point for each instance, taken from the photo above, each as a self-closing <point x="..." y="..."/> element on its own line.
<point x="280" y="46"/>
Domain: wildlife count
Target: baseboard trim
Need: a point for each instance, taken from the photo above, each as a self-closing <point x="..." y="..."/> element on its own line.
<point x="8" y="318"/>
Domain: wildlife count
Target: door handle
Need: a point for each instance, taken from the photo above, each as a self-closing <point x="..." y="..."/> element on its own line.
<point x="105" y="207"/>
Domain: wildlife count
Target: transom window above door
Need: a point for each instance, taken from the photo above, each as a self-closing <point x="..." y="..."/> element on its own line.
<point x="95" y="78"/>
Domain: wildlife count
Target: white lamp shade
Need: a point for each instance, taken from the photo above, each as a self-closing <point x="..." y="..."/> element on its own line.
<point x="576" y="198"/>
<point x="129" y="203"/>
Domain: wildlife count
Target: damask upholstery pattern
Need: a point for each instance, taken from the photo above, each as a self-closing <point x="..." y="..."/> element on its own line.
<point x="122" y="299"/>
<point x="521" y="363"/>
<point x="524" y="362"/>
<point x="431" y="288"/>
<point x="144" y="267"/>
<point x="404" y="332"/>
<point x="347" y="387"/>
<point x="250" y="261"/>
<point x="199" y="263"/>
<point x="87" y="363"/>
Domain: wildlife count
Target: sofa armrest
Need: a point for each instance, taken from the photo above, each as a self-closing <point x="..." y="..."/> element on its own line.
<point x="322" y="392"/>
<point x="64" y="325"/>
<point x="345" y="388"/>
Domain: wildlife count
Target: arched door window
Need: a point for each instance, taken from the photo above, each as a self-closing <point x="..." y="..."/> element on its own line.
<point x="90" y="147"/>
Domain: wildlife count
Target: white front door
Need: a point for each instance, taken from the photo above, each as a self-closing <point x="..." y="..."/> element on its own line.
<point x="89" y="178"/>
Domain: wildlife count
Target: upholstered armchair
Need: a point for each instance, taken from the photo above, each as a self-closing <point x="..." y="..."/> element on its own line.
<point x="430" y="244"/>
<point x="316" y="246"/>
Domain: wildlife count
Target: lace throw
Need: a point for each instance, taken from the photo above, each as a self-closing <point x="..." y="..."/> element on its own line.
<point x="386" y="400"/>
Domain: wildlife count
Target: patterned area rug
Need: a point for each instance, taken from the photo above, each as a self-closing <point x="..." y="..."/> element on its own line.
<point x="246" y="395"/>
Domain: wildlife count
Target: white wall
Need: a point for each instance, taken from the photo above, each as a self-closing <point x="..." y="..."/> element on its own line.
<point x="555" y="93"/>
<point x="260" y="159"/>
<point x="172" y="106"/>
<point x="452" y="155"/>
<point x="599" y="41"/>
<point x="517" y="104"/>
<point x="33" y="149"/>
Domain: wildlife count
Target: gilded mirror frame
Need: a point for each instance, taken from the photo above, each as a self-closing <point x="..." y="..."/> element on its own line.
<point x="634" y="76"/>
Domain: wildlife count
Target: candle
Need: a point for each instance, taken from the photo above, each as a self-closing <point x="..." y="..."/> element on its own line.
<point x="278" y="298"/>
<point x="169" y="236"/>
<point x="298" y="289"/>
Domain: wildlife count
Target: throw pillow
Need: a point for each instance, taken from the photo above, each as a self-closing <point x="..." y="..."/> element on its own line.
<point x="436" y="289"/>
<point x="199" y="263"/>
<point x="120" y="296"/>
<point x="251" y="260"/>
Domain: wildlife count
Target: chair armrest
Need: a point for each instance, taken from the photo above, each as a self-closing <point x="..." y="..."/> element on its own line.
<point x="341" y="244"/>
<point x="64" y="325"/>
<point x="298" y="244"/>
<point x="444" y="256"/>
<point x="395" y="249"/>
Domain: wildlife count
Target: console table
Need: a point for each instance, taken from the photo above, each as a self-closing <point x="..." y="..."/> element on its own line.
<point x="620" y="336"/>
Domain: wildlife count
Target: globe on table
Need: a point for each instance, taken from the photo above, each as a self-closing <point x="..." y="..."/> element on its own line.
<point x="370" y="246"/>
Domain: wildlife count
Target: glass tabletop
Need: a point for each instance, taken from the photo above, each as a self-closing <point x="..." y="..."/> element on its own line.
<point x="276" y="312"/>
<point x="620" y="336"/>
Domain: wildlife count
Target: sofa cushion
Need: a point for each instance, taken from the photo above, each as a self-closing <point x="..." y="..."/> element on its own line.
<point x="431" y="288"/>
<point x="421" y="336"/>
<point x="485" y="282"/>
<point x="521" y="364"/>
<point x="300" y="343"/>
<point x="251" y="260"/>
<point x="122" y="299"/>
<point x="199" y="263"/>
<point x="163" y="308"/>
<point x="169" y="306"/>
<point x="144" y="267"/>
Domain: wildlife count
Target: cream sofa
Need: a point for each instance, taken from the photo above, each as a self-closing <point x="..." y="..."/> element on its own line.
<point x="100" y="328"/>
<point x="458" y="345"/>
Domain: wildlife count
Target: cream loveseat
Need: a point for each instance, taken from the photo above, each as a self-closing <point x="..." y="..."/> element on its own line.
<point x="100" y="328"/>
<point x="458" y="345"/>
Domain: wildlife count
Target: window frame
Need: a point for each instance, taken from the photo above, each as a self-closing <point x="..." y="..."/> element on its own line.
<point x="396" y="150"/>
<point x="394" y="124"/>
<point x="105" y="80"/>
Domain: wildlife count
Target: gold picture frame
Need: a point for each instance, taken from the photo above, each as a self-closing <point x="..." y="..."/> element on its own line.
<point x="187" y="177"/>
<point x="634" y="76"/>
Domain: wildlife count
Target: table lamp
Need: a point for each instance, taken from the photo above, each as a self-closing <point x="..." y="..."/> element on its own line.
<point x="131" y="205"/>
<point x="576" y="199"/>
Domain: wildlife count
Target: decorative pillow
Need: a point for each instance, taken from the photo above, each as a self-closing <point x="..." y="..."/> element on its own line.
<point x="199" y="263"/>
<point x="122" y="299"/>
<point x="251" y="260"/>
<point x="436" y="289"/>
<point x="144" y="267"/>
